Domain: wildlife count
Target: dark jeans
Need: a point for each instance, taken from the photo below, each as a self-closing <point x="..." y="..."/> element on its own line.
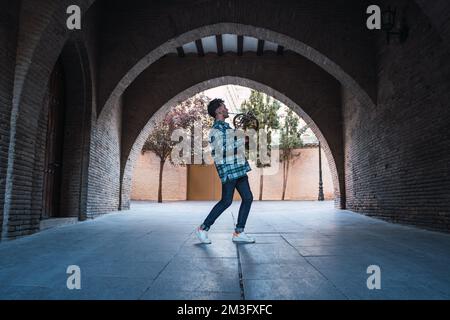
<point x="242" y="186"/>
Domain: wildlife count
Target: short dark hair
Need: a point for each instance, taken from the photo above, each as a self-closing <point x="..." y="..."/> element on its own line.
<point x="213" y="105"/>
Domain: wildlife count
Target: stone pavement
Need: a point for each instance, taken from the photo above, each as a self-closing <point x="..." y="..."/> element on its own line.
<point x="304" y="250"/>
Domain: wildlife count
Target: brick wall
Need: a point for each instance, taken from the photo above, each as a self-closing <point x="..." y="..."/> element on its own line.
<point x="104" y="166"/>
<point x="336" y="29"/>
<point x="76" y="63"/>
<point x="41" y="36"/>
<point x="38" y="170"/>
<point x="145" y="179"/>
<point x="9" y="15"/>
<point x="303" y="179"/>
<point x="397" y="155"/>
<point x="76" y="130"/>
<point x="303" y="182"/>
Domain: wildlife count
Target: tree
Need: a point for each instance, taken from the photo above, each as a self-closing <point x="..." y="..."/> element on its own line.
<point x="265" y="109"/>
<point x="182" y="116"/>
<point x="160" y="144"/>
<point x="289" y="141"/>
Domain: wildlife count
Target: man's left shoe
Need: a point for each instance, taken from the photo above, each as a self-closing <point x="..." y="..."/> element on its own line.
<point x="242" y="237"/>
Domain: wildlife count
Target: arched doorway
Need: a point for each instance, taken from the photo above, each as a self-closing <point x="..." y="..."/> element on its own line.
<point x="62" y="142"/>
<point x="115" y="101"/>
<point x="200" y="182"/>
<point x="211" y="83"/>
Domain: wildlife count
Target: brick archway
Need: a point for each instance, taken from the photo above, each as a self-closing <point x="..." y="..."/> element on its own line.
<point x="331" y="36"/>
<point x="74" y="62"/>
<point x="114" y="100"/>
<point x="289" y="43"/>
<point x="41" y="36"/>
<point x="126" y="179"/>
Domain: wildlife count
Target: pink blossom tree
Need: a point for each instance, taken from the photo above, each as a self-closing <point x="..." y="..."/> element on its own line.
<point x="182" y="116"/>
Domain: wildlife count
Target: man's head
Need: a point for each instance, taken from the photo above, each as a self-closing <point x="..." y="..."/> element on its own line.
<point x="217" y="109"/>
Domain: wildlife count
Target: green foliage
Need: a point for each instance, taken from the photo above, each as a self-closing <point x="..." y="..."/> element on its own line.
<point x="290" y="132"/>
<point x="265" y="110"/>
<point x="290" y="139"/>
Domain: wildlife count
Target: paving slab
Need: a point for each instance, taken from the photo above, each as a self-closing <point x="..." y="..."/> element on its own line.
<point x="303" y="250"/>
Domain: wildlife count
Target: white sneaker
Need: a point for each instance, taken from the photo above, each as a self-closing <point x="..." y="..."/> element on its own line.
<point x="202" y="235"/>
<point x="242" y="237"/>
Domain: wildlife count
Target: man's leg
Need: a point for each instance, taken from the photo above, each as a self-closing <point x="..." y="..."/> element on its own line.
<point x="243" y="188"/>
<point x="222" y="205"/>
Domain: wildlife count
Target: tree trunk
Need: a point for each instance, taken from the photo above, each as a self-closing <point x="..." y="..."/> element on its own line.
<point x="261" y="184"/>
<point x="284" y="180"/>
<point x="286" y="165"/>
<point x="287" y="176"/>
<point x="161" y="168"/>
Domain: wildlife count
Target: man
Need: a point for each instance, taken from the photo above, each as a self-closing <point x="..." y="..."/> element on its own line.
<point x="232" y="171"/>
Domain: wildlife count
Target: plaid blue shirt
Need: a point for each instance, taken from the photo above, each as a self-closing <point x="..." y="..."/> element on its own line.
<point x="228" y="152"/>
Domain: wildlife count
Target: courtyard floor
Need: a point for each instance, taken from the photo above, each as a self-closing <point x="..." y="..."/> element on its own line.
<point x="303" y="250"/>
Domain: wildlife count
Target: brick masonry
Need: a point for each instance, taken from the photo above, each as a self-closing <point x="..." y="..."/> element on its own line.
<point x="397" y="155"/>
<point x="392" y="99"/>
<point x="303" y="181"/>
<point x="40" y="39"/>
<point x="335" y="29"/>
<point x="174" y="186"/>
<point x="9" y="17"/>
